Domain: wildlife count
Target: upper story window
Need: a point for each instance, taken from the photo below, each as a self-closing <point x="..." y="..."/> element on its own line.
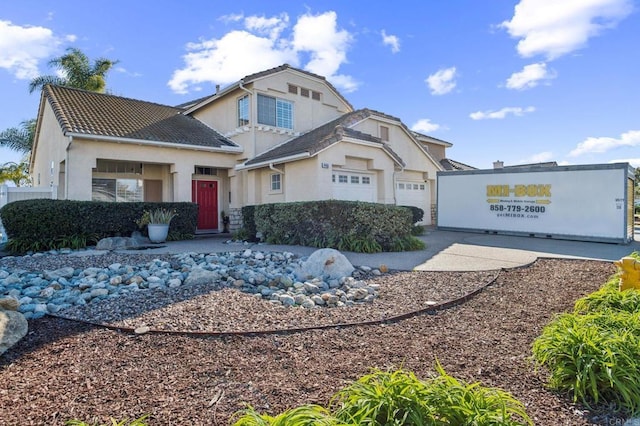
<point x="384" y="133"/>
<point x="243" y="111"/>
<point x="275" y="112"/>
<point x="293" y="89"/>
<point x="315" y="95"/>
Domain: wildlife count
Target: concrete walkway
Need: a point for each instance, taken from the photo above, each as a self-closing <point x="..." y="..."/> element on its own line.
<point x="445" y="251"/>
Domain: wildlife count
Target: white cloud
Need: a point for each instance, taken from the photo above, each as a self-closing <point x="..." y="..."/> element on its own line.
<point x="272" y="27"/>
<point x="424" y="125"/>
<point x="319" y="36"/>
<point x="21" y="48"/>
<point x="442" y="81"/>
<point x="541" y="157"/>
<point x="391" y="40"/>
<point x="264" y="43"/>
<point x="530" y="76"/>
<point x="554" y="28"/>
<point x="604" y="144"/>
<point x="502" y="113"/>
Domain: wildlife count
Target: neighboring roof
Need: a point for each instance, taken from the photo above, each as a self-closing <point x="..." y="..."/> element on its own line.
<point x="315" y="140"/>
<point x="545" y="164"/>
<point x="427" y="138"/>
<point x="189" y="104"/>
<point x="198" y="103"/>
<point x="97" y="114"/>
<point x="449" y="164"/>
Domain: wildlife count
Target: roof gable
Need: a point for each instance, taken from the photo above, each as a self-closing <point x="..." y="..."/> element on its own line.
<point x="201" y="102"/>
<point x="322" y="137"/>
<point x="80" y="112"/>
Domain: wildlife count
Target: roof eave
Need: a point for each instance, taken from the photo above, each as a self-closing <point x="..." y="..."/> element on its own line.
<point x="163" y="144"/>
<point x="266" y="163"/>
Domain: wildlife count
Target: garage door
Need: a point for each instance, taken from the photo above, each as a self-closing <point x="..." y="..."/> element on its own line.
<point x="414" y="194"/>
<point x="353" y="186"/>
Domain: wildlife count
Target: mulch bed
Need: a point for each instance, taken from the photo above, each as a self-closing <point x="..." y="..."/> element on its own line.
<point x="64" y="369"/>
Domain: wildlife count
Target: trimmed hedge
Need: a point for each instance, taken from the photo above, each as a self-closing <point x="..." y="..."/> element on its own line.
<point x="344" y="225"/>
<point x="44" y="224"/>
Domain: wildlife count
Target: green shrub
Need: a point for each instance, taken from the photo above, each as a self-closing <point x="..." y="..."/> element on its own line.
<point x="303" y="415"/>
<point x="48" y="224"/>
<point x="594" y="352"/>
<point x="400" y="398"/>
<point x="417" y="213"/>
<point x="345" y="225"/>
<point x="248" y="231"/>
<point x="595" y="356"/>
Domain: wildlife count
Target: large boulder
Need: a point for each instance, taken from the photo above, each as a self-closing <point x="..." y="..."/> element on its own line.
<point x="13" y="325"/>
<point x="325" y="264"/>
<point x="117" y="243"/>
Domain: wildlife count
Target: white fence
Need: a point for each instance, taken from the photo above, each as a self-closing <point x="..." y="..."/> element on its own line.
<point x="10" y="194"/>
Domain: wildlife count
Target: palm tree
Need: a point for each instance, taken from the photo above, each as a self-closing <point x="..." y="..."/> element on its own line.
<point x="76" y="72"/>
<point x="16" y="173"/>
<point x="19" y="138"/>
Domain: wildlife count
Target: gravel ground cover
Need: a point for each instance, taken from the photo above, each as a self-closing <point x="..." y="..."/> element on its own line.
<point x="67" y="369"/>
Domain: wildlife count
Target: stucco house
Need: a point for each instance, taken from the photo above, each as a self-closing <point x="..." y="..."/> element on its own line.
<point x="280" y="135"/>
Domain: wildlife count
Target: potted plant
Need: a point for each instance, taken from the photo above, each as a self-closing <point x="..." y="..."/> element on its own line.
<point x="225" y="221"/>
<point x="157" y="221"/>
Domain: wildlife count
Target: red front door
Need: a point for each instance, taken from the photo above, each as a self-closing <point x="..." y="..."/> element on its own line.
<point x="205" y="194"/>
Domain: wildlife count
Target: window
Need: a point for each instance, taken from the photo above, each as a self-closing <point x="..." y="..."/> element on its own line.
<point x="293" y="89"/>
<point x="208" y="171"/>
<point x="276" y="182"/>
<point x="366" y="180"/>
<point x="384" y="133"/>
<point x="355" y="179"/>
<point x="275" y="112"/>
<point x="315" y="96"/>
<point x="304" y="92"/>
<point x="122" y="190"/>
<point x="342" y="179"/>
<point x="243" y="111"/>
<point x="120" y="167"/>
<point x="401" y="186"/>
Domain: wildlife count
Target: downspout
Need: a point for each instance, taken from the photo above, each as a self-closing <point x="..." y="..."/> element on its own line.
<point x="66" y="169"/>
<point x="395" y="185"/>
<point x="275" y="170"/>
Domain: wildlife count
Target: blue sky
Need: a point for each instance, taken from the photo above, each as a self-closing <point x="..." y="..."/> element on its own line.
<point x="518" y="81"/>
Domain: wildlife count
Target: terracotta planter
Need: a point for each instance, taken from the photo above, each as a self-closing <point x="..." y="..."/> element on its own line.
<point x="158" y="232"/>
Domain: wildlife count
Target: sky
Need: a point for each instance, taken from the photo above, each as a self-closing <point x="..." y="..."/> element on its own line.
<point x="522" y="82"/>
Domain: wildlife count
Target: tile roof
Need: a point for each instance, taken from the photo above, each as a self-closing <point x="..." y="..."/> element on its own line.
<point x="284" y="67"/>
<point x="198" y="103"/>
<point x="322" y="137"/>
<point x="98" y="114"/>
<point x="449" y="165"/>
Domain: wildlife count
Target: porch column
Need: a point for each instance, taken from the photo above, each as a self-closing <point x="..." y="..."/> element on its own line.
<point x="181" y="174"/>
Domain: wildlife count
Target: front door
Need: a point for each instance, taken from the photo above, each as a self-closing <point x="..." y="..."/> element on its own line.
<point x="205" y="194"/>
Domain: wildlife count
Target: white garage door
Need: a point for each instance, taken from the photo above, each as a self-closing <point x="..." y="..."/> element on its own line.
<point x="354" y="186"/>
<point x="414" y="194"/>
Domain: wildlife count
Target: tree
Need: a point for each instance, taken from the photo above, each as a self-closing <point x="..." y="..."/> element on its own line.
<point x="76" y="72"/>
<point x="19" y="138"/>
<point x="16" y="173"/>
<point x="637" y="191"/>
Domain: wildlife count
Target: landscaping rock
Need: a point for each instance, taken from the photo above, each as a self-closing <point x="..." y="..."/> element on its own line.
<point x="13" y="327"/>
<point x="325" y="264"/>
<point x="117" y="243"/>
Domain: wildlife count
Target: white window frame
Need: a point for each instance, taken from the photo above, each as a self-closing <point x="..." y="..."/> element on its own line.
<point x="243" y="111"/>
<point x="275" y="183"/>
<point x="282" y="114"/>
